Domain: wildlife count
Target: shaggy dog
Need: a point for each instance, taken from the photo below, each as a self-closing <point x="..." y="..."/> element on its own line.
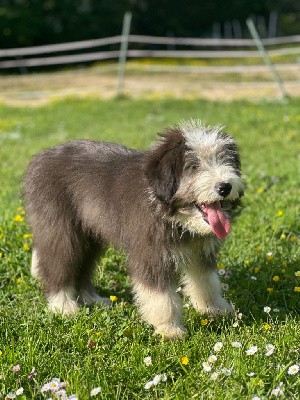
<point x="168" y="209"/>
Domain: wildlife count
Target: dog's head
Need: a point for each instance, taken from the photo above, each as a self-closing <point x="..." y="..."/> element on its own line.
<point x="194" y="176"/>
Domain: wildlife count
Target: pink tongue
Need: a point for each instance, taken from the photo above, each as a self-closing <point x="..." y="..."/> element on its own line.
<point x="218" y="221"/>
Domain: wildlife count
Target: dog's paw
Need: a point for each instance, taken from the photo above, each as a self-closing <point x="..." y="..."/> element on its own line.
<point x="171" y="332"/>
<point x="91" y="297"/>
<point x="222" y="307"/>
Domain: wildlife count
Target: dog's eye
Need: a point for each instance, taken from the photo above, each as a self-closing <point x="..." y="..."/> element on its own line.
<point x="191" y="167"/>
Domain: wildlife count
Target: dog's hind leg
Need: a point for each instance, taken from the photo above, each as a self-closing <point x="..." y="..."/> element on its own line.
<point x="162" y="309"/>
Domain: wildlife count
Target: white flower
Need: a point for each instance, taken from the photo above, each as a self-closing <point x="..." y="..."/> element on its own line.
<point x="267" y="309"/>
<point x="214" y="376"/>
<point x="206" y="366"/>
<point x="148" y="385"/>
<point x="95" y="391"/>
<point x="255" y="398"/>
<point x="148" y="361"/>
<point x="73" y="397"/>
<point x="218" y="346"/>
<point x="156" y="379"/>
<point x="270" y="349"/>
<point x="226" y="371"/>
<point x="294" y="369"/>
<point x="236" y="344"/>
<point x="250" y="374"/>
<point x="277" y="392"/>
<point x="212" y="358"/>
<point x="10" y="395"/>
<point x="221" y="272"/>
<point x="252" y="350"/>
<point x="239" y="315"/>
<point x="276" y="310"/>
<point x="19" y="391"/>
<point x="235" y="324"/>
<point x="224" y="286"/>
<point x="253" y="278"/>
<point x="164" y="377"/>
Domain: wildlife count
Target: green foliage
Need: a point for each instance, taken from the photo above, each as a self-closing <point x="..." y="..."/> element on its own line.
<point x="259" y="266"/>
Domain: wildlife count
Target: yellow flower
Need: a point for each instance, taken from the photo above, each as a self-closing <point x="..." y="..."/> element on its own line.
<point x="26" y="246"/>
<point x="270" y="255"/>
<point x="221" y="266"/>
<point x="1" y="353"/>
<point x="21" y="210"/>
<point x="260" y="190"/>
<point x="283" y="236"/>
<point x="293" y="238"/>
<point x="27" y="235"/>
<point x="258" y="249"/>
<point x="184" y="360"/>
<point x="247" y="262"/>
<point x="204" y="322"/>
<point x="256" y="270"/>
<point x="19" y="280"/>
<point x="297" y="289"/>
<point x="266" y="327"/>
<point x="18" y="218"/>
<point x="276" y="278"/>
<point x="1" y="255"/>
<point x="279" y="213"/>
<point x="297" y="273"/>
<point x="113" y="298"/>
<point x="283" y="270"/>
<point x="270" y="289"/>
<point x="1" y="235"/>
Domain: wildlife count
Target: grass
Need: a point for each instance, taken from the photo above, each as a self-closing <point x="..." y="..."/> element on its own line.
<point x="106" y="348"/>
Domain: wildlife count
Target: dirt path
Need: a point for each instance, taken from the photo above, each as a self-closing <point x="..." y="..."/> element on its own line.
<point x="101" y="82"/>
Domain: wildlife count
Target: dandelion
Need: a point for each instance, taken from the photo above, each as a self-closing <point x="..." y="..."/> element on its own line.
<point x="247" y="262"/>
<point x="95" y="391"/>
<point x="26" y="246"/>
<point x="204" y="322"/>
<point x="206" y="366"/>
<point x="270" y="349"/>
<point x="251" y="351"/>
<point x="260" y="190"/>
<point x="113" y="298"/>
<point x="276" y="278"/>
<point x="218" y="346"/>
<point x="297" y="289"/>
<point x="18" y="218"/>
<point x="277" y="392"/>
<point x="212" y="359"/>
<point x="294" y="369"/>
<point x="27" y="235"/>
<point x="267" y="327"/>
<point x="236" y="344"/>
<point x="1" y="352"/>
<point x="279" y="213"/>
<point x="256" y="269"/>
<point x="267" y="309"/>
<point x="148" y="385"/>
<point x="19" y="391"/>
<point x="297" y="273"/>
<point x="293" y="238"/>
<point x="270" y="289"/>
<point x="16" y="368"/>
<point x="283" y="236"/>
<point x="147" y="361"/>
<point x="185" y="360"/>
<point x="214" y="376"/>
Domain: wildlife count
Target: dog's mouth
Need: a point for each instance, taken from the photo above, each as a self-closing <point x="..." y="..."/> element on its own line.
<point x="214" y="215"/>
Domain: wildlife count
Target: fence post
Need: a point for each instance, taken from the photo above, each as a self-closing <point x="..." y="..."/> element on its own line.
<point x="123" y="53"/>
<point x="266" y="57"/>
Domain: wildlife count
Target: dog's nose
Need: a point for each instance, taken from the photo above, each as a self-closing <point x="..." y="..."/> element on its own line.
<point x="224" y="188"/>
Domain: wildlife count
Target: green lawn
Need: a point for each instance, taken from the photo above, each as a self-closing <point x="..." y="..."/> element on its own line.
<point x="106" y="348"/>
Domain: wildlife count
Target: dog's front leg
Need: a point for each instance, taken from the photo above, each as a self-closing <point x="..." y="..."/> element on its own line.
<point x="162" y="309"/>
<point x="203" y="287"/>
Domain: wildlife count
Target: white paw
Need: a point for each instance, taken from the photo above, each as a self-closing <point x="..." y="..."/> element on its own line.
<point x="171" y="332"/>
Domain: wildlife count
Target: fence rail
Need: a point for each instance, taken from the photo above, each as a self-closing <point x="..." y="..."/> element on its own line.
<point x="16" y="58"/>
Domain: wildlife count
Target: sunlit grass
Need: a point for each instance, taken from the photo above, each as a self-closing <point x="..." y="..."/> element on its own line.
<point x="101" y="353"/>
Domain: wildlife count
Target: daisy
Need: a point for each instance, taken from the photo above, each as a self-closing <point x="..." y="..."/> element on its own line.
<point x="294" y="369"/>
<point x="218" y="346"/>
<point x="148" y="385"/>
<point x="277" y="392"/>
<point x="267" y="309"/>
<point x="236" y="344"/>
<point x="226" y="371"/>
<point x="95" y="391"/>
<point x="206" y="366"/>
<point x="270" y="349"/>
<point x="148" y="361"/>
<point x="212" y="358"/>
<point x="19" y="391"/>
<point x="214" y="376"/>
<point x="252" y="350"/>
<point x="255" y="398"/>
<point x="156" y="379"/>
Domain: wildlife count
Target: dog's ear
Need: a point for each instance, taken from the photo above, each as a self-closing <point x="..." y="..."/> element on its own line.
<point x="164" y="165"/>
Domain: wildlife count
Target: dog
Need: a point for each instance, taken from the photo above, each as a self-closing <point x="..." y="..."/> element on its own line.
<point x="167" y="208"/>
